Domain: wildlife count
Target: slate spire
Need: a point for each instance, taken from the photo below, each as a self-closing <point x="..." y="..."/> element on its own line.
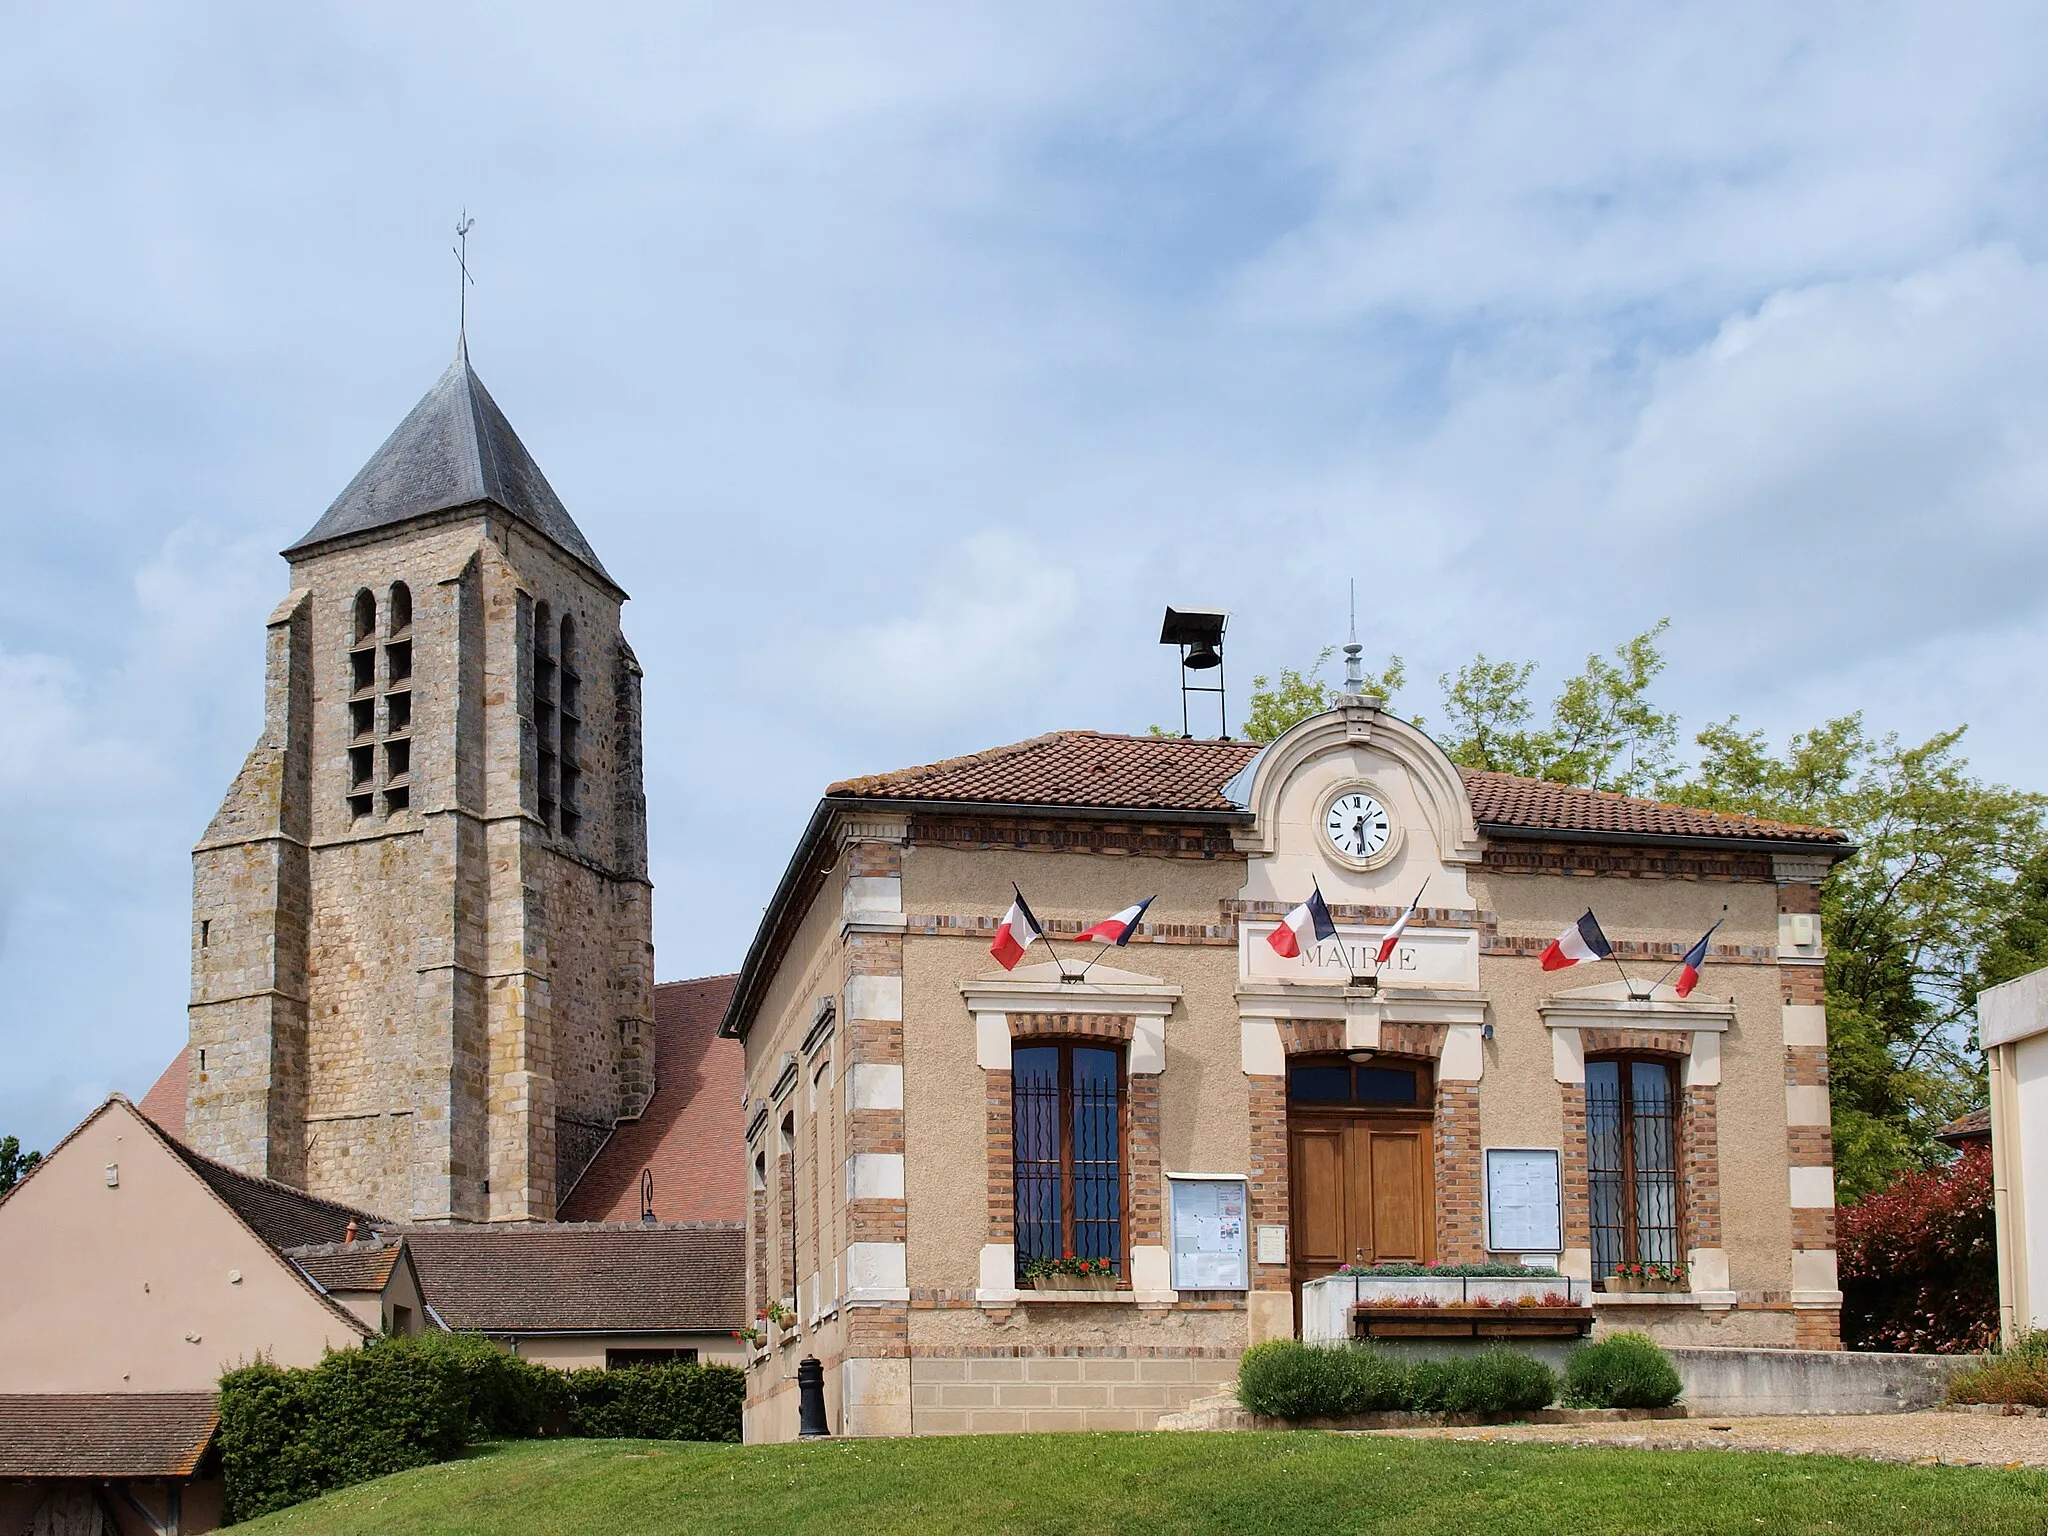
<point x="455" y="449"/>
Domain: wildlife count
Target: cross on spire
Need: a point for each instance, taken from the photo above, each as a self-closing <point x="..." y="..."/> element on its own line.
<point x="463" y="283"/>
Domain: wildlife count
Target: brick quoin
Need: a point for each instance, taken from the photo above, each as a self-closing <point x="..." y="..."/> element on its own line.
<point x="1268" y="1105"/>
<point x="878" y="1332"/>
<point x="1002" y="1166"/>
<point x="874" y="861"/>
<point x="1460" y="1234"/>
<point x="1701" y="1215"/>
<point x="1147" y="1196"/>
<point x="1578" y="1212"/>
<point x="1816" y="1328"/>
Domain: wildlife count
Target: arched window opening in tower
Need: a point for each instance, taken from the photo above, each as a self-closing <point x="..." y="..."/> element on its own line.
<point x="571" y="722"/>
<point x="544" y="718"/>
<point x="360" y="792"/>
<point x="397" y="710"/>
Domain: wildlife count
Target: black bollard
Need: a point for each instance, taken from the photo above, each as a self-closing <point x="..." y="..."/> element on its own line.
<point x="810" y="1400"/>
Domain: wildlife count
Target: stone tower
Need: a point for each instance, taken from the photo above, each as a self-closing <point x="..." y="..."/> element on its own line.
<point x="422" y="958"/>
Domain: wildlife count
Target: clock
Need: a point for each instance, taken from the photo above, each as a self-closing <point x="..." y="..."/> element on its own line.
<point x="1357" y="826"/>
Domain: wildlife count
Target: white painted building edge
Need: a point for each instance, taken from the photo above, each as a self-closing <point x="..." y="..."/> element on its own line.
<point x="2013" y="1010"/>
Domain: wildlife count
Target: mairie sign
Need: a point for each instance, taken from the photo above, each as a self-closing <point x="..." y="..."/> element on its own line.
<point x="1425" y="957"/>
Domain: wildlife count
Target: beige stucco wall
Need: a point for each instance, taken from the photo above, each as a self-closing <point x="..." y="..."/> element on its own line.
<point x="1204" y="1126"/>
<point x="134" y="1289"/>
<point x="569" y="1352"/>
<point x="1515" y="1107"/>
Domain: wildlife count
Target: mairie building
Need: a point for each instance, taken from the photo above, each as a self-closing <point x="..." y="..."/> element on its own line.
<point x="926" y="1130"/>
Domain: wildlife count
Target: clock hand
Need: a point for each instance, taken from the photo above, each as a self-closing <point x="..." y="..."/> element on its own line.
<point x="1358" y="833"/>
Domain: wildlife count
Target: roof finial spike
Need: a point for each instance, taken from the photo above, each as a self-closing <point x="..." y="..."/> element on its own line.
<point x="1354" y="677"/>
<point x="463" y="284"/>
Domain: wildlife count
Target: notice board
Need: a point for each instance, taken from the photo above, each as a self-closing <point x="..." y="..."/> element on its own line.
<point x="1523" y="1210"/>
<point x="1208" y="1233"/>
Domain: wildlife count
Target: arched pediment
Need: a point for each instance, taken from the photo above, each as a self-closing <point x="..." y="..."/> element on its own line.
<point x="1370" y="742"/>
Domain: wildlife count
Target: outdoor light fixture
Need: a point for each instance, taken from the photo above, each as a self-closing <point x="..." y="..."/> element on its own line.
<point x="1199" y="634"/>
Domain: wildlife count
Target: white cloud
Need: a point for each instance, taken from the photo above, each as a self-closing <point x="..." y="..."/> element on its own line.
<point x="888" y="359"/>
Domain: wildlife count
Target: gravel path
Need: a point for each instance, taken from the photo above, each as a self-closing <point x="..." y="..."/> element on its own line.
<point x="1954" y="1439"/>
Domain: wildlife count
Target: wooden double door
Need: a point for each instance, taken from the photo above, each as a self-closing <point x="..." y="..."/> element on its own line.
<point x="1362" y="1188"/>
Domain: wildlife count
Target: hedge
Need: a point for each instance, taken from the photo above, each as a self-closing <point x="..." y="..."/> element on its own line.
<point x="657" y="1402"/>
<point x="287" y="1435"/>
<point x="1623" y="1370"/>
<point x="1286" y="1379"/>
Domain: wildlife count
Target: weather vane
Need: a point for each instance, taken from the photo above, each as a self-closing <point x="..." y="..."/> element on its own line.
<point x="465" y="282"/>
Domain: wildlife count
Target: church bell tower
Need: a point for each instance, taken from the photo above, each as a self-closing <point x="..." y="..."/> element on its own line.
<point x="422" y="954"/>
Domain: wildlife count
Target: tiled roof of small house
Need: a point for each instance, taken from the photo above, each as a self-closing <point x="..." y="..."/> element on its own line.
<point x="105" y="1434"/>
<point x="1964" y="1129"/>
<point x="1095" y="771"/>
<point x="282" y="1216"/>
<point x="625" y="1277"/>
<point x="364" y="1265"/>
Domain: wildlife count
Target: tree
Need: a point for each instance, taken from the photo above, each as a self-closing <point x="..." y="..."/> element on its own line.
<point x="15" y="1163"/>
<point x="1938" y="885"/>
<point x="1297" y="695"/>
<point x="1603" y="732"/>
<point x="2021" y="943"/>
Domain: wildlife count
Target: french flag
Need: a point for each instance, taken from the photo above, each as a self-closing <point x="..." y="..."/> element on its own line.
<point x="1579" y="943"/>
<point x="1309" y="923"/>
<point x="1018" y="931"/>
<point x="1689" y="967"/>
<point x="1117" y="930"/>
<point x="1394" y="933"/>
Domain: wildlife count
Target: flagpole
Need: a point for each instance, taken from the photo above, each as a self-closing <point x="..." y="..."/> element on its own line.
<point x="1018" y="891"/>
<point x="1674" y="965"/>
<point x="1376" y="954"/>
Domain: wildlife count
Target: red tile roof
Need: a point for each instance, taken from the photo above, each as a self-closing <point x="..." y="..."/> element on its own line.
<point x="164" y="1104"/>
<point x="358" y="1266"/>
<point x="282" y="1216"/>
<point x="1078" y="768"/>
<point x="629" y="1277"/>
<point x="1501" y="800"/>
<point x="1964" y="1129"/>
<point x="105" y="1434"/>
<point x="1093" y="771"/>
<point x="692" y="1133"/>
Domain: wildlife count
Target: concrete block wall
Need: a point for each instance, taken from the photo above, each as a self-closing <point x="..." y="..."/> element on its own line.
<point x="1109" y="1390"/>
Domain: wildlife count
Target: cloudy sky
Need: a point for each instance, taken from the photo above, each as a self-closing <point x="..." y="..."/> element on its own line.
<point x="904" y="361"/>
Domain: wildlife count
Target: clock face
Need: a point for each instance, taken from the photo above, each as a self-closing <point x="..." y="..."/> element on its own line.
<point x="1357" y="825"/>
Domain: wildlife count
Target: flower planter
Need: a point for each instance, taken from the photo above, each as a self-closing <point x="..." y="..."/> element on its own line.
<point x="1635" y="1285"/>
<point x="1328" y="1305"/>
<point x="1074" y="1283"/>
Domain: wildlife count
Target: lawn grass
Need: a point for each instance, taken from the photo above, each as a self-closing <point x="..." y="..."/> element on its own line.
<point x="1301" y="1484"/>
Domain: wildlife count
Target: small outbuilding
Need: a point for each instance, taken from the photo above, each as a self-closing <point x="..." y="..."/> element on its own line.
<point x="592" y="1294"/>
<point x="2012" y="1027"/>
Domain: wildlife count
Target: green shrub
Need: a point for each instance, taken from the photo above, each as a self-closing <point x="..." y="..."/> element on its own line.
<point x="266" y="1460"/>
<point x="509" y="1398"/>
<point x="1285" y="1379"/>
<point x="657" y="1402"/>
<point x="2018" y="1375"/>
<point x="358" y="1414"/>
<point x="1623" y="1370"/>
<point x="1493" y="1381"/>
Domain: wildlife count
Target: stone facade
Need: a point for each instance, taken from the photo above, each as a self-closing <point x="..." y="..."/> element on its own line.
<point x="422" y="958"/>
